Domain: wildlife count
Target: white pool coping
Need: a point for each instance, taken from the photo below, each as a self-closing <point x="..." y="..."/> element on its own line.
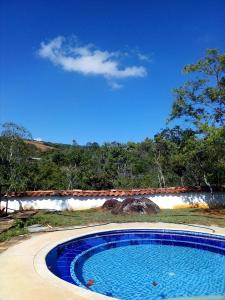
<point x="24" y="274"/>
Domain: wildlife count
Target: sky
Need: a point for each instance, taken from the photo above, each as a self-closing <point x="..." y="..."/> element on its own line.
<point x="97" y="70"/>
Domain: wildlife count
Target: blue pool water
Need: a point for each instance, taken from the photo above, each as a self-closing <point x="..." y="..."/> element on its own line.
<point x="143" y="264"/>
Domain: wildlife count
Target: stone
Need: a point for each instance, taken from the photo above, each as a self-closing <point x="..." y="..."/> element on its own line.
<point x="110" y="204"/>
<point x="136" y="205"/>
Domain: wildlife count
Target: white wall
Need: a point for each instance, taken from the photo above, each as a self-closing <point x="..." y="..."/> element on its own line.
<point x="79" y="203"/>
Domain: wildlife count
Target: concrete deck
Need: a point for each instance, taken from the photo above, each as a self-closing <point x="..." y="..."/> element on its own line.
<point x="24" y="274"/>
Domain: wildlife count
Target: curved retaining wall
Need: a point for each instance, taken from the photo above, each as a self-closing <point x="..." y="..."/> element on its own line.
<point x="163" y="200"/>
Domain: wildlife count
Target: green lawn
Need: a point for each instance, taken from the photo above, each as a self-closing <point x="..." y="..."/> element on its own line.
<point x="184" y="216"/>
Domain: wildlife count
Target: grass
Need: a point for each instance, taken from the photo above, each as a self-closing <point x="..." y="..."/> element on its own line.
<point x="14" y="231"/>
<point x="185" y="216"/>
<point x="199" y="216"/>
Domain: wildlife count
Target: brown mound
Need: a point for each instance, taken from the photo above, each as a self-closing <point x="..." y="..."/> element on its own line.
<point x="139" y="206"/>
<point x="110" y="204"/>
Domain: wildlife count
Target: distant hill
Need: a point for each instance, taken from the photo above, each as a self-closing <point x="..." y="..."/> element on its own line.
<point x="47" y="146"/>
<point x="41" y="146"/>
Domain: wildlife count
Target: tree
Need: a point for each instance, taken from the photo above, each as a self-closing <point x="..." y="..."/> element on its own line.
<point x="202" y="100"/>
<point x="14" y="157"/>
<point x="168" y="145"/>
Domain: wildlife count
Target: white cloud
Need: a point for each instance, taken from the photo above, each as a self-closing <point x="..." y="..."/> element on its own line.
<point x="88" y="60"/>
<point x="143" y="57"/>
<point x="115" y="85"/>
<point x="38" y="139"/>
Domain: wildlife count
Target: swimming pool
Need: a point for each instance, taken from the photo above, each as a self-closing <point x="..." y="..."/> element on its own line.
<point x="143" y="264"/>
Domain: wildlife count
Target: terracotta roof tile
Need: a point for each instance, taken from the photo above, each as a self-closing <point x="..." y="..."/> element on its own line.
<point x="113" y="192"/>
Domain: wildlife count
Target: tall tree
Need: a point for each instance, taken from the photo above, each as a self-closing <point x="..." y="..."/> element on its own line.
<point x="14" y="157"/>
<point x="201" y="100"/>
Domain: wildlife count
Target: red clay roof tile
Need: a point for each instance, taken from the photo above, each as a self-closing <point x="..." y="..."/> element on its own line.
<point x="111" y="193"/>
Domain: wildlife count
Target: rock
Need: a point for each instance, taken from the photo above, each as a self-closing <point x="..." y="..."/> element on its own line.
<point x="37" y="228"/>
<point x="136" y="205"/>
<point x="110" y="204"/>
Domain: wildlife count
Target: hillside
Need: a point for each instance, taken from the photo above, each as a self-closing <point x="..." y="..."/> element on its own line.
<point x="41" y="146"/>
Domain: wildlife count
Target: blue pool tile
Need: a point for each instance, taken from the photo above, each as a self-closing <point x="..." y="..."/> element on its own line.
<point x="60" y="258"/>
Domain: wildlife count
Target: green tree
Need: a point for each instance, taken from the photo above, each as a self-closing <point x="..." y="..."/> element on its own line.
<point x="201" y="100"/>
<point x="15" y="157"/>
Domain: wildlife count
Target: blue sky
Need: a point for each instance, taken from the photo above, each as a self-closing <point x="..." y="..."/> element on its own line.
<point x="99" y="70"/>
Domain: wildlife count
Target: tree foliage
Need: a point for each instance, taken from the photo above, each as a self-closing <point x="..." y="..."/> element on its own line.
<point x="201" y="100"/>
<point x="14" y="157"/>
